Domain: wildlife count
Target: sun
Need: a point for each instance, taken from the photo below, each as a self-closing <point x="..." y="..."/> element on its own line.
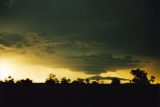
<point x="4" y="69"/>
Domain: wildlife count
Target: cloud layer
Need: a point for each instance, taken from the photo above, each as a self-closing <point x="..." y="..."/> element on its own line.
<point x="91" y="63"/>
<point x="106" y="78"/>
<point x="86" y="35"/>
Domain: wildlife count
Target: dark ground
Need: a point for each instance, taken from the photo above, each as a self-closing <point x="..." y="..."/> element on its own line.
<point x="41" y="95"/>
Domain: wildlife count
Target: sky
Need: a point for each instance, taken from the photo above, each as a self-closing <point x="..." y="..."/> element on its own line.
<point x="79" y="38"/>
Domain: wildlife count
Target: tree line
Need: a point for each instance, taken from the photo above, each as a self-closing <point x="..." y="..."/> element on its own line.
<point x="140" y="77"/>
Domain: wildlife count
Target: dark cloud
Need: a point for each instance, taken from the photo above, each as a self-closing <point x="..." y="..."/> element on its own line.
<point x="130" y="27"/>
<point x="51" y="45"/>
<point x="95" y="64"/>
<point x="97" y="77"/>
<point x="78" y="31"/>
<point x="4" y="4"/>
<point x="91" y="63"/>
<point x="23" y="43"/>
<point x="20" y="40"/>
<point x="9" y="39"/>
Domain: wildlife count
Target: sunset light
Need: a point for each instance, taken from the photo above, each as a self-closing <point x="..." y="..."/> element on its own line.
<point x="80" y="53"/>
<point x="5" y="70"/>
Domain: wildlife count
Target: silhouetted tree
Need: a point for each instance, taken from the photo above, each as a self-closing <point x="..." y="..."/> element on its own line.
<point x="152" y="79"/>
<point x="79" y="81"/>
<point x="25" y="82"/>
<point x="51" y="76"/>
<point x="65" y="81"/>
<point x="115" y="81"/>
<point x="87" y="81"/>
<point x="51" y="80"/>
<point x="94" y="83"/>
<point x="9" y="80"/>
<point x="74" y="82"/>
<point x="140" y="76"/>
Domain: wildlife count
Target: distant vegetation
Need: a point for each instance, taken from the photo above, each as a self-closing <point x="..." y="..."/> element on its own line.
<point x="139" y="78"/>
<point x="138" y="92"/>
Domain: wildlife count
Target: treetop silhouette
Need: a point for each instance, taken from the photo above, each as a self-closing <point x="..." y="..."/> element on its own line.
<point x="140" y="77"/>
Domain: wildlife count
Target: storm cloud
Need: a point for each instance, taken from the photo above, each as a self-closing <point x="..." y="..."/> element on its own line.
<point x="130" y="27"/>
<point x="93" y="63"/>
<point x="84" y="35"/>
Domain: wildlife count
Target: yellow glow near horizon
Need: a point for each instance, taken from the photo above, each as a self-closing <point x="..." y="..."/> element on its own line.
<point x="22" y="69"/>
<point x="38" y="73"/>
<point x="4" y="69"/>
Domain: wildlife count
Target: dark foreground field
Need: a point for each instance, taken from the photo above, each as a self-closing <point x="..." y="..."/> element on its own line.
<point x="40" y="95"/>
